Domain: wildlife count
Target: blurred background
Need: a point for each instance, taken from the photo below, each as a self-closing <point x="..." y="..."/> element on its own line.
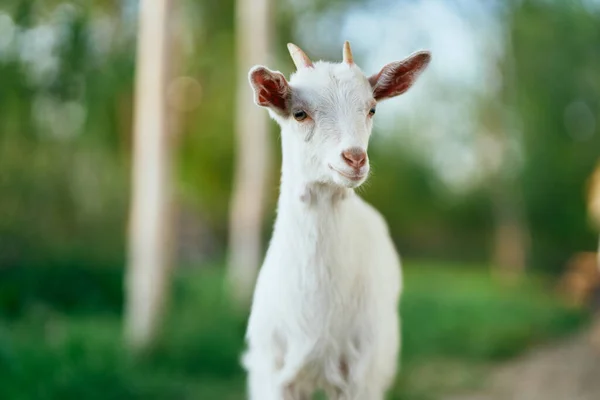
<point x="483" y="171"/>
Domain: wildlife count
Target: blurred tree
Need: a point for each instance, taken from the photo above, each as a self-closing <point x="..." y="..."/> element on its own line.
<point x="510" y="241"/>
<point x="62" y="172"/>
<point x="150" y="216"/>
<point x="253" y="152"/>
<point x="557" y="98"/>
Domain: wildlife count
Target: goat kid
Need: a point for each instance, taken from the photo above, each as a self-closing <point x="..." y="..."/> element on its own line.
<point x="325" y="309"/>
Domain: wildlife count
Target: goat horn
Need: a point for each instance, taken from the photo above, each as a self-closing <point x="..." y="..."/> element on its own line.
<point x="348" y="59"/>
<point x="300" y="58"/>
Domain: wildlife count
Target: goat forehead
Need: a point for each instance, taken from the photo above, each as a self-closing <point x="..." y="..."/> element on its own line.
<point x="331" y="84"/>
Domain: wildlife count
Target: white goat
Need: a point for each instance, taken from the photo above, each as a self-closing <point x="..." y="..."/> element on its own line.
<point x="325" y="308"/>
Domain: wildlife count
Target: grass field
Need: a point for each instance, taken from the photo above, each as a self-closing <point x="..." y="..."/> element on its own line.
<point x="58" y="344"/>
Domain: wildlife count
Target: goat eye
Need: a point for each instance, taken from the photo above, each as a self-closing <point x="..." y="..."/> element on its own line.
<point x="372" y="111"/>
<point x="300" y="115"/>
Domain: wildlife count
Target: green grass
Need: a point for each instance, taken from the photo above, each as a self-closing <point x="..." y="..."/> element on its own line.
<point x="456" y="322"/>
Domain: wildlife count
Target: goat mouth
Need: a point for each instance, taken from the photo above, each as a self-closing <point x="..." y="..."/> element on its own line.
<point x="352" y="177"/>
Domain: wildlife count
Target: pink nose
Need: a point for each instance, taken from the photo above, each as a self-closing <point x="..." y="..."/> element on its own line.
<point x="355" y="157"/>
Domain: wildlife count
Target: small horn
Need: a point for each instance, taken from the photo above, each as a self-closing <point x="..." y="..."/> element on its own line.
<point x="348" y="59"/>
<point x="301" y="60"/>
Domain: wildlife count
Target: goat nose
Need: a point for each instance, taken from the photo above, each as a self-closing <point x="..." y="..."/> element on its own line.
<point x="355" y="157"/>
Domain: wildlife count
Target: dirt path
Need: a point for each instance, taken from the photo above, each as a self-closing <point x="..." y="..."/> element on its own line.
<point x="568" y="370"/>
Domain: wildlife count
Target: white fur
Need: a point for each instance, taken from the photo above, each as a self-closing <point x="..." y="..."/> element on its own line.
<point x="325" y="308"/>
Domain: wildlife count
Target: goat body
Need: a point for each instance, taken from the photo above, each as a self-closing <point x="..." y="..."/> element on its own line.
<point x="325" y="306"/>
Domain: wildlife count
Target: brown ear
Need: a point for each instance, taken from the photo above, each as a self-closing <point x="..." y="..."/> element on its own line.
<point x="397" y="77"/>
<point x="270" y="88"/>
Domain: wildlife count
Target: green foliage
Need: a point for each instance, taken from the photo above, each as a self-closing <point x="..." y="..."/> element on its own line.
<point x="44" y="170"/>
<point x="71" y="289"/>
<point x="554" y="71"/>
<point x="464" y="313"/>
<point x="64" y="206"/>
<point x="456" y="320"/>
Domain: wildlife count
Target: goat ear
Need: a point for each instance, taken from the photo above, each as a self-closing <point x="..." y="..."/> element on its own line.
<point x="271" y="89"/>
<point x="397" y="77"/>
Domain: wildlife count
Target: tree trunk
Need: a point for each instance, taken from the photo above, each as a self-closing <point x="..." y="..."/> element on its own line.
<point x="150" y="219"/>
<point x="253" y="158"/>
<point x="511" y="239"/>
